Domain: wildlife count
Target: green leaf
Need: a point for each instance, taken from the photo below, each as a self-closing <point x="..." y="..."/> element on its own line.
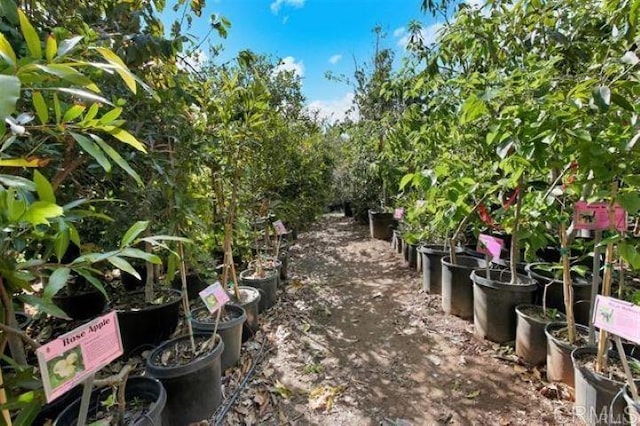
<point x="6" y="51"/>
<point x="50" y="48"/>
<point x="126" y="137"/>
<point x="73" y="113"/>
<point x="61" y="244"/>
<point x="630" y="201"/>
<point x="9" y="95"/>
<point x="73" y="235"/>
<point x="56" y="282"/>
<point x="30" y="36"/>
<point x="67" y="45"/>
<point x="84" y="94"/>
<point x="44" y="188"/>
<point x="40" y="211"/>
<point x="139" y="254"/>
<point x="93" y="281"/>
<point x="17" y="182"/>
<point x="133" y="232"/>
<point x="43" y="305"/>
<point x="123" y="265"/>
<point x="632" y="142"/>
<point x="111" y="115"/>
<point x="57" y="108"/>
<point x="117" y="158"/>
<point x="41" y="107"/>
<point x="66" y="72"/>
<point x="405" y="180"/>
<point x="121" y="68"/>
<point x="9" y="10"/>
<point x="630" y="254"/>
<point x="92" y="149"/>
<point x="622" y="102"/>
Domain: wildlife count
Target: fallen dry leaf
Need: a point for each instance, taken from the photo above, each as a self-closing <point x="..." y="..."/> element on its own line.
<point x="282" y="390"/>
<point x="323" y="397"/>
<point x="473" y="394"/>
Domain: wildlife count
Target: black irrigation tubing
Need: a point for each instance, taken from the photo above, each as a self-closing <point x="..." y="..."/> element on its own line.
<point x="229" y="403"/>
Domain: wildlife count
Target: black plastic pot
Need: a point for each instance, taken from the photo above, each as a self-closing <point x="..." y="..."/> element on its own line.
<point x="267" y="286"/>
<point x="380" y="225"/>
<point x="531" y="342"/>
<point x="457" y="287"/>
<point x="251" y="299"/>
<point x="130" y="282"/>
<point x="559" y="363"/>
<point x="136" y="387"/>
<point x="193" y="390"/>
<point x="195" y="284"/>
<point x="283" y="257"/>
<point x="595" y="393"/>
<point x="581" y="286"/>
<point x="149" y="326"/>
<point x="412" y="255"/>
<point x="278" y="268"/>
<point x="633" y="407"/>
<point x="50" y="412"/>
<point x="581" y="312"/>
<point x="348" y="212"/>
<point x="431" y="257"/>
<point x="84" y="305"/>
<point x="495" y="301"/>
<point x="230" y="331"/>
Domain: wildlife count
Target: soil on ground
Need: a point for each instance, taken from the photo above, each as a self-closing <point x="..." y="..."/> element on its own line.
<point x="354" y="341"/>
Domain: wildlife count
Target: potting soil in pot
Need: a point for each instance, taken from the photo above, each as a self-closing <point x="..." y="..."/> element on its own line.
<point x="181" y="353"/>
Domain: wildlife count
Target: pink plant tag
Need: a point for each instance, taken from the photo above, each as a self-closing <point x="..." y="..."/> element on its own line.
<point x="214" y="297"/>
<point x="398" y="213"/>
<point x="73" y="357"/>
<point x="595" y="216"/>
<point x="490" y="245"/>
<point x="617" y="317"/>
<point x="279" y="227"/>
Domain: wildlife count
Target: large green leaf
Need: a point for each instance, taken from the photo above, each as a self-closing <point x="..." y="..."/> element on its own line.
<point x="6" y="51"/>
<point x="123" y="265"/>
<point x="43" y="187"/>
<point x="139" y="254"/>
<point x="92" y="149"/>
<point x="117" y="158"/>
<point x="30" y="36"/>
<point x="9" y="94"/>
<point x="40" y="211"/>
<point x="67" y="45"/>
<point x="42" y="110"/>
<point x="57" y="280"/>
<point x="126" y="137"/>
<point x="131" y="234"/>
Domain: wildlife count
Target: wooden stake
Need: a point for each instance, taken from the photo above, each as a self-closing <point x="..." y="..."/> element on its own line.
<point x="567" y="285"/>
<point x="185" y="296"/>
<point x="601" y="362"/>
<point x="3" y="400"/>
<point x="594" y="285"/>
<point x="84" y="402"/>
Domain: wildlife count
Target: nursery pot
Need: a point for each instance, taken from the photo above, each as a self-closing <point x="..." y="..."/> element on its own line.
<point x="283" y="257"/>
<point x="144" y="388"/>
<point x="633" y="407"/>
<point x="193" y="389"/>
<point x="81" y="306"/>
<point x="595" y="393"/>
<point x="531" y="342"/>
<point x="380" y="225"/>
<point x="559" y="363"/>
<point x="555" y="299"/>
<point x="130" y="282"/>
<point x="278" y="268"/>
<point x="412" y="255"/>
<point x="495" y="300"/>
<point x="348" y="212"/>
<point x="150" y="325"/>
<point x="267" y="286"/>
<point x="457" y="287"/>
<point x="431" y="257"/>
<point x="195" y="284"/>
<point x="581" y="311"/>
<point x="250" y="298"/>
<point x="230" y="330"/>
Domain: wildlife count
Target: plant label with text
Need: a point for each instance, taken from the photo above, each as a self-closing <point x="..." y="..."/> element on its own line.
<point x="595" y="216"/>
<point x="214" y="297"/>
<point x="279" y="227"/>
<point x="398" y="214"/>
<point x="71" y="358"/>
<point x="490" y="245"/>
<point x="617" y="317"/>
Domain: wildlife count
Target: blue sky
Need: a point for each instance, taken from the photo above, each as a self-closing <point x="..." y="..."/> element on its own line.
<point x="314" y="36"/>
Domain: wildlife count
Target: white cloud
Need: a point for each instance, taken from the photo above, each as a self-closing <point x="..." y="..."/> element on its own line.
<point x="428" y="35"/>
<point x="335" y="58"/>
<point x="399" y="32"/>
<point x="335" y="110"/>
<point x="289" y="64"/>
<point x="277" y="4"/>
<point x="194" y="61"/>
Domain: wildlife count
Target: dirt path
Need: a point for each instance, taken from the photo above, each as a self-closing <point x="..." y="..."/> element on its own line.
<point x="353" y="341"/>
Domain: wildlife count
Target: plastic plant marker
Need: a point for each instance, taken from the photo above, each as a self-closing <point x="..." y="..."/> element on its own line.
<point x="398" y="213"/>
<point x="75" y="356"/>
<point x="617" y="317"/>
<point x="279" y="227"/>
<point x="490" y="246"/>
<point x="595" y="216"/>
<point x="627" y="370"/>
<point x="214" y="297"/>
